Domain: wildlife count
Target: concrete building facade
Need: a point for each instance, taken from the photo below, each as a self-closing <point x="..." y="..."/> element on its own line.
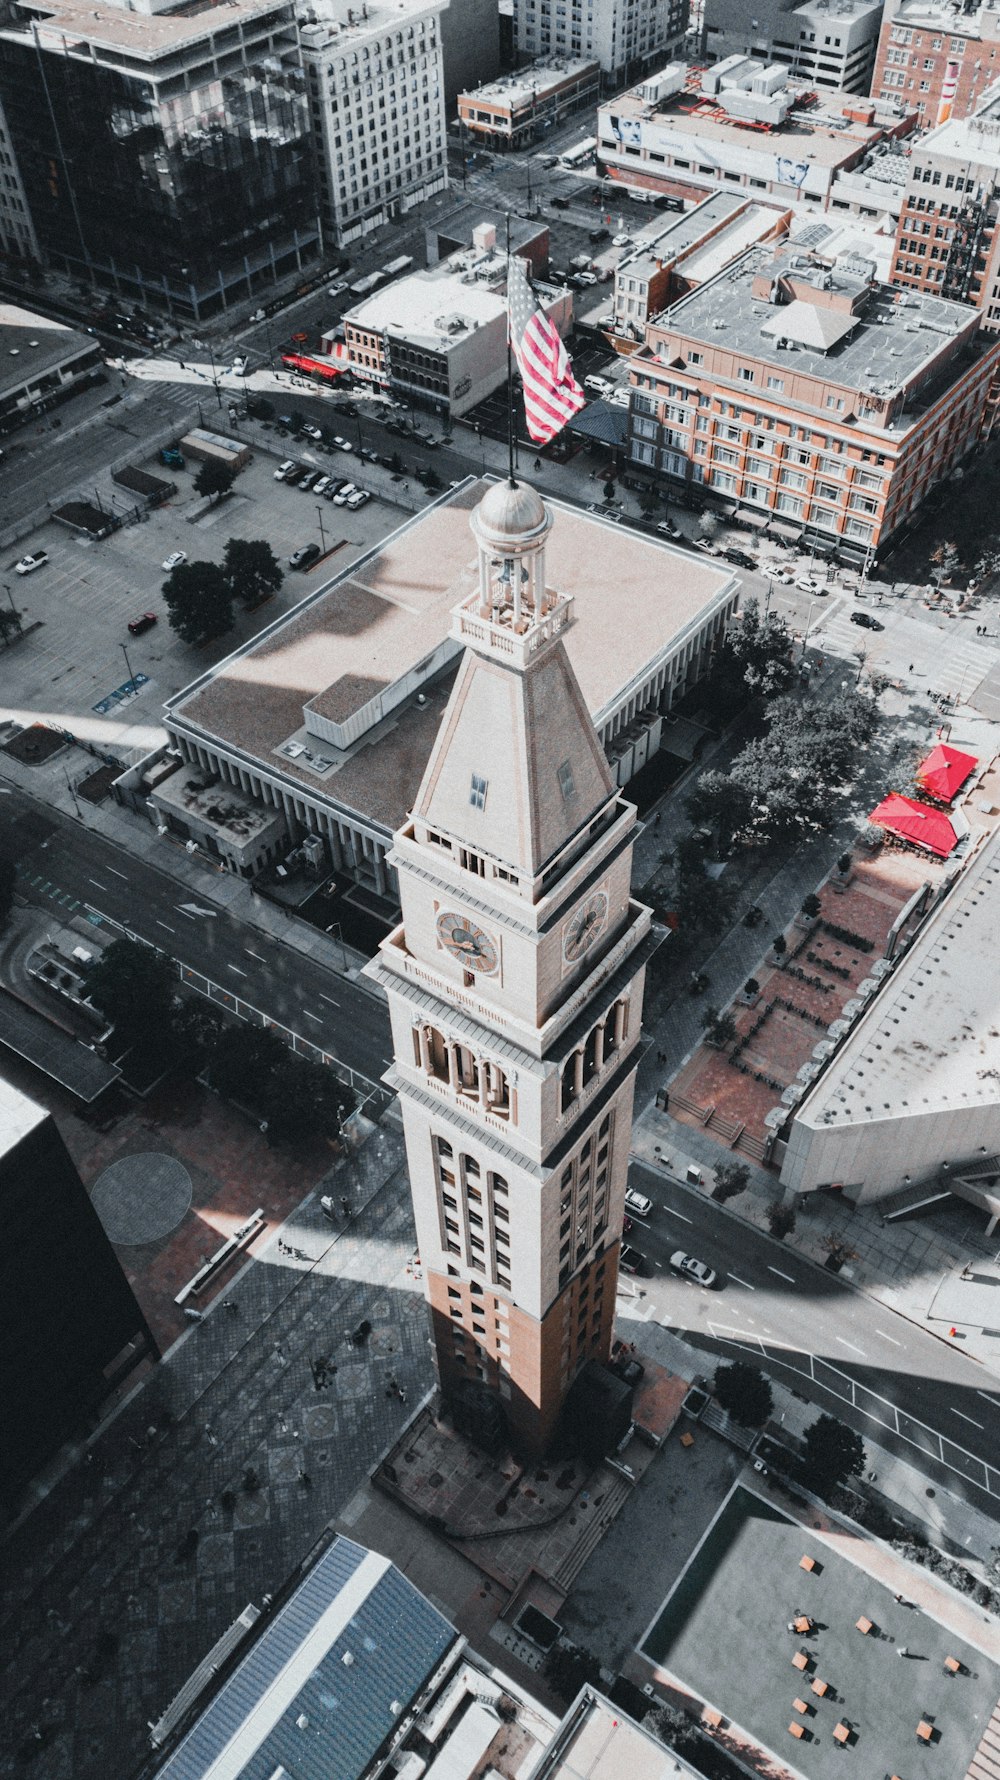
<point x="938" y="56"/>
<point x="44" y="362"/>
<point x="470" y="47"/>
<point x="623" y="36"/>
<point x="517" y="109"/>
<point x="828" y="43"/>
<point x="809" y="394"/>
<point x="376" y="95"/>
<point x="337" y="747"/>
<point x="673" y="258"/>
<point x="515" y="984"/>
<point x="947" y="239"/>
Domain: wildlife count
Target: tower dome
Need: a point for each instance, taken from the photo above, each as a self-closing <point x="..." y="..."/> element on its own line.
<point x="511" y="515"/>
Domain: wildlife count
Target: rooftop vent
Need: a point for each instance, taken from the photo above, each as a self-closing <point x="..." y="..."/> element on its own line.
<point x="347" y="1659"/>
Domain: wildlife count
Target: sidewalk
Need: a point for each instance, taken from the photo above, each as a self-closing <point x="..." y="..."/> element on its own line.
<point x="914" y="1268"/>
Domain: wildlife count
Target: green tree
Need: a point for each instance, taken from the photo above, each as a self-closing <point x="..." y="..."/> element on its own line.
<point x="811" y="906"/>
<point x="8" y="878"/>
<point x="10" y="624"/>
<point x="720" y="1029"/>
<point x="133" y="987"/>
<point x="673" y="1727"/>
<point x="731" y="1178"/>
<point x="302" y="1100"/>
<point x="197" y="1026"/>
<point x="568" y="1668"/>
<point x="432" y="481"/>
<point x="609" y="489"/>
<point x="833" y="1453"/>
<point x="720" y="803"/>
<point x="251" y="569"/>
<point x="214" y="479"/>
<point x="704" y="904"/>
<point x="199" y="599"/>
<point x="780" y="1219"/>
<point x="243" y="1062"/>
<point x="761" y="650"/>
<point x="745" y="1393"/>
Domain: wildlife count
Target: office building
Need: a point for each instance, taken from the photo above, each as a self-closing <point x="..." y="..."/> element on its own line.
<point x="376" y="95"/>
<point x="623" y="36"/>
<point x="947" y="239"/>
<point x="162" y="153"/>
<point x="70" y="1328"/>
<point x="334" y="751"/>
<point x="813" y="398"/>
<point x="470" y="47"/>
<point x="18" y="241"/>
<point x="688" y="131"/>
<point x="669" y="258"/>
<point x="44" y="363"/>
<point x="828" y="43"/>
<point x="451" y="231"/>
<point x="515" y="983"/>
<point x="517" y="109"/>
<point x="438" y="338"/>
<point x="938" y="56"/>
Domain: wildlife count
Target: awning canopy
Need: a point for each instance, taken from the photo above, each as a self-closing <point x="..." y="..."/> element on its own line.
<point x="945" y="771"/>
<point x="781" y="529"/>
<point x="749" y="516"/>
<point x="600" y="421"/>
<point x="916" y="823"/>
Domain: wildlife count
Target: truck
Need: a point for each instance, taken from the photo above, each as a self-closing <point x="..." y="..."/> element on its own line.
<point x="170" y="456"/>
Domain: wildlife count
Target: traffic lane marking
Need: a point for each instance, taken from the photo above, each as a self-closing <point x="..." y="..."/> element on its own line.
<point x="788" y="1276"/>
<point x="743" y="1282"/>
<point x="677" y="1214"/>
<point x="968" y="1418"/>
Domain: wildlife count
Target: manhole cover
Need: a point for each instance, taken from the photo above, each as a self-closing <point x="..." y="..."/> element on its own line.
<point x="142" y="1198"/>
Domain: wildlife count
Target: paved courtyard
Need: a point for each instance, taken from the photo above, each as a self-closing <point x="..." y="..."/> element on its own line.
<point x="724" y="1634"/>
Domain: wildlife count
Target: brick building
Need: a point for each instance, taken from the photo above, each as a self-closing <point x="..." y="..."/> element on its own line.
<point x="818" y="401"/>
<point x="937" y="57"/>
<point x="947" y="239"/>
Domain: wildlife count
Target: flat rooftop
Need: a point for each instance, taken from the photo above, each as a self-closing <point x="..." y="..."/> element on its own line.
<point x="816" y="129"/>
<point x="339" y="22"/>
<point x="531" y="83"/>
<point x="38" y="341"/>
<point x="598" y="1741"/>
<point x="756" y="221"/>
<point x="142" y="34"/>
<point x="942" y="15"/>
<point x="884" y="349"/>
<point x="667" y="241"/>
<point x="829" y="11"/>
<point x="385" y="614"/>
<point x="975" y="139"/>
<point x="427" y="305"/>
<point x="929" y="1040"/>
<point x="723" y="1633"/>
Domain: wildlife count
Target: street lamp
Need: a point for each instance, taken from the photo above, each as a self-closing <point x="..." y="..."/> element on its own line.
<point x="128" y="664"/>
<point x="322" y="534"/>
<point x="805" y="638"/>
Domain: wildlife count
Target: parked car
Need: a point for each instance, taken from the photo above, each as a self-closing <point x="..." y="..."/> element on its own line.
<point x="600" y="234"/>
<point x="698" y="1272"/>
<point x="778" y="572"/>
<point x="334" y="486"/>
<point x="637" y="1203"/>
<point x="585" y="278"/>
<point x="311" y="431"/>
<point x="631" y="1261"/>
<point x="706" y="545"/>
<point x="173" y="561"/>
<point x="306" y="481"/>
<point x="295" y="475"/>
<point x="620" y="240"/>
<point x="598" y="386"/>
<point x="137" y="626"/>
<point x="359" y="498"/>
<point x="240" y="363"/>
<point x="866" y="621"/>
<point x="667" y="529"/>
<point x="367" y="455"/>
<point x="350" y="408"/>
<point x="321" y="486"/>
<point x="304" y="556"/>
<point x="809" y="584"/>
<point x="559" y="203"/>
<point x="28" y="564"/>
<point x="619" y="398"/>
<point x="344" y="493"/>
<point x="337" y="290"/>
<point x="341" y="444"/>
<point x="741" y="558"/>
<point x="284" y="470"/>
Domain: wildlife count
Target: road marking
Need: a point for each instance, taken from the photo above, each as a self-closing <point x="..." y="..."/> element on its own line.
<point x="676" y="1214"/>
<point x="851" y="1344"/>
<point x="183" y="912"/>
<point x="990" y="1400"/>
<point x="666" y="1318"/>
<point x="781" y="1275"/>
<point x="96" y="885"/>
<point x="886" y="1337"/>
<point x="310" y="1016"/>
<point x="968" y="1418"/>
<point x="256" y="955"/>
<point x="117" y="874"/>
<point x="236" y="969"/>
<point x="328" y="998"/>
<point x="164" y="924"/>
<point x="743" y="1282"/>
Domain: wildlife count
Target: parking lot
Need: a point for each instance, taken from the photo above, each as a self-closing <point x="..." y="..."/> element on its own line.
<point x="77" y="607"/>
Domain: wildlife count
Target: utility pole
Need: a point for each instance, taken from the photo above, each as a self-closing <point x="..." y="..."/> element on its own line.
<point x="322" y="534"/>
<point x="128" y="664"/>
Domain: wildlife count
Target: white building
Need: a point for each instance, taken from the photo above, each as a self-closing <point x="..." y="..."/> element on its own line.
<point x="619" y="34"/>
<point x="913" y="1092"/>
<point x="439" y="337"/>
<point x="831" y="43"/>
<point x="376" y="93"/>
<point x="515" y="984"/>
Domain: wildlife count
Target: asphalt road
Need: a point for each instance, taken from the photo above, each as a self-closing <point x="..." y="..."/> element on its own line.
<point x="57" y="859"/>
<point x="820" y="1336"/>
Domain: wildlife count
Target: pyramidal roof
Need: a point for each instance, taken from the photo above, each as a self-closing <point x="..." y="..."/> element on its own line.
<point x="526" y="735"/>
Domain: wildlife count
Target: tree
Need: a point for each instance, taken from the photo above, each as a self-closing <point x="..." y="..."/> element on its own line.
<point x="133" y="987"/>
<point x="811" y="906"/>
<point x="568" y="1667"/>
<point x="720" y="1029"/>
<point x="721" y="804"/>
<point x="214" y="478"/>
<point x="731" y="1179"/>
<point x="844" y="864"/>
<point x="745" y="1393"/>
<point x="751" y="987"/>
<point x="704" y="904"/>
<point x="8" y="878"/>
<point x="197" y="1026"/>
<point x="833" y="1453"/>
<point x="302" y="1100"/>
<point x="10" y="622"/>
<point x="432" y="481"/>
<point x="673" y="1727"/>
<point x="251" y="569"/>
<point x="199" y="599"/>
<point x="761" y="649"/>
<point x="779" y="945"/>
<point x="242" y="1063"/>
<point x="780" y="1219"/>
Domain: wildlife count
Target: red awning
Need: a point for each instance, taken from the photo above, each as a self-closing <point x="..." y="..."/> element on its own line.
<point x="916" y="823"/>
<point x="945" y="771"/>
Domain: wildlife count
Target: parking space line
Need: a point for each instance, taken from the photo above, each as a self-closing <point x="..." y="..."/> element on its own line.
<point x="886" y="1337"/>
<point x="118" y="874"/>
<point x="96" y="885"/>
<point x="256" y="955"/>
<point x="311" y="1016"/>
<point x="236" y="970"/>
<point x="990" y="1400"/>
<point x="165" y="925"/>
<point x="968" y="1418"/>
<point x="851" y="1344"/>
<point x="743" y="1282"/>
<point x="781" y="1275"/>
<point x="185" y="912"/>
<point x="677" y="1214"/>
<point x="328" y="998"/>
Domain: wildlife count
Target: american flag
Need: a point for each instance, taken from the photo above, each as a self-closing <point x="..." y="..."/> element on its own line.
<point x="551" y="393"/>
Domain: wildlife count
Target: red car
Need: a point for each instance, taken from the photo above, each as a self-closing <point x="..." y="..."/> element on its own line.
<point x="137" y="626"/>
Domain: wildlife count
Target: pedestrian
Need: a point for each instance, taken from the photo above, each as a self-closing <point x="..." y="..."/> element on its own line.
<point x="538" y="463"/>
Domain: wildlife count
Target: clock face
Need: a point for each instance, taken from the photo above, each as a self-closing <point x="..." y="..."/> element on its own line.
<point x="471" y="945"/>
<point x="585" y="927"/>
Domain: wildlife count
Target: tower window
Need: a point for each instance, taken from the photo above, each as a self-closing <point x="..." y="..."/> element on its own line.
<point x="567" y="784"/>
<point x="477" y="792"/>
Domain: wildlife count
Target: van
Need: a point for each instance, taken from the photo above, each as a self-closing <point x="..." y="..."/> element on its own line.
<point x="636" y="1204"/>
<point x="598" y="386"/>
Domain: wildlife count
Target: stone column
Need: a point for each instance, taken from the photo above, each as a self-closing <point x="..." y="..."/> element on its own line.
<point x="599" y="1046"/>
<point x="578" y="1073"/>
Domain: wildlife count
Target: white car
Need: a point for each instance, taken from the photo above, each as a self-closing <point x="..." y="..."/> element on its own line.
<point x="778" y="572"/>
<point x="620" y="240"/>
<point x="28" y="564"/>
<point x="341" y="444"/>
<point x="322" y="485"/>
<point x="239" y="364"/>
<point x="284" y="469"/>
<point x="586" y="278"/>
<point x="173" y="561"/>
<point x="619" y="398"/>
<point x="809" y="584"/>
<point x="359" y="498"/>
<point x="311" y="431"/>
<point x="344" y="494"/>
<point x="636" y="1204"/>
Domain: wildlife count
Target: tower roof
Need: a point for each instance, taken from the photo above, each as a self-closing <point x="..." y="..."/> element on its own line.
<point x="527" y="737"/>
<point x="511" y="513"/>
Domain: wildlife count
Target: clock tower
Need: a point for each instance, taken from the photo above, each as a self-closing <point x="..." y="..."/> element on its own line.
<point x="515" y="984"/>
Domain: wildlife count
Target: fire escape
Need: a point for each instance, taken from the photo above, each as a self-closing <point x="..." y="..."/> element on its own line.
<point x="962" y="265"/>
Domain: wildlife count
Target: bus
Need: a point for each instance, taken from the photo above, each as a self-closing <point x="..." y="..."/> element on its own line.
<point x="579" y="156"/>
<point x="396" y="268"/>
<point x="363" y="287"/>
<point x="325" y="370"/>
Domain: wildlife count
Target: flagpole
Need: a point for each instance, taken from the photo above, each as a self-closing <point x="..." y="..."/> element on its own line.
<point x="510" y="375"/>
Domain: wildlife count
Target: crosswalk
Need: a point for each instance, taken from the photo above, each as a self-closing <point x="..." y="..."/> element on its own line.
<point x="910" y="649"/>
